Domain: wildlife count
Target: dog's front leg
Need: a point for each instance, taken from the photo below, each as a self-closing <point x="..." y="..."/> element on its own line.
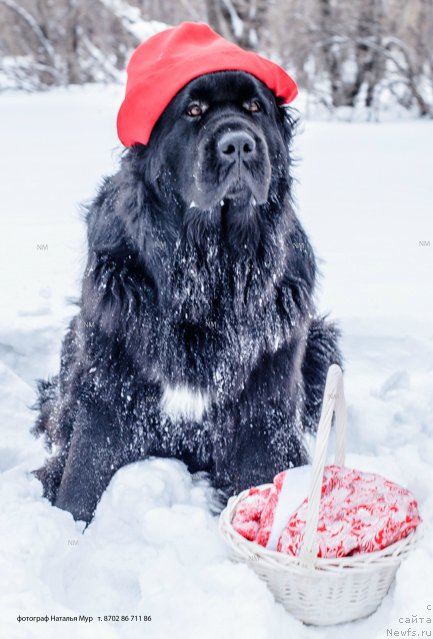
<point x="94" y="455"/>
<point x="261" y="431"/>
<point x="266" y="442"/>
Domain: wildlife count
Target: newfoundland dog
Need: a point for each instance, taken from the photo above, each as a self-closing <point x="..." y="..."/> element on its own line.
<point x="196" y="336"/>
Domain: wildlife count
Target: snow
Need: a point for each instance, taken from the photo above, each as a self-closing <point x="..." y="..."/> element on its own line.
<point x="364" y="193"/>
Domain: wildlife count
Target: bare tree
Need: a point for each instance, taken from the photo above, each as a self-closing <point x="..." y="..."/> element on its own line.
<point x="348" y="54"/>
<point x="243" y="21"/>
<point x="408" y="49"/>
<point x="63" y="42"/>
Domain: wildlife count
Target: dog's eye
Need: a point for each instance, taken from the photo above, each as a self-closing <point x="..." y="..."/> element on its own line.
<point x="195" y="110"/>
<point x="253" y="106"/>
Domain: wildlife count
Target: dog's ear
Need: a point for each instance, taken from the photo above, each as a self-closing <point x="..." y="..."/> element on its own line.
<point x="138" y="158"/>
<point x="289" y="119"/>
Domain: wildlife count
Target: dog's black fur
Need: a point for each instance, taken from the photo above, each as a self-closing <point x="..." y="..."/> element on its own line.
<point x="199" y="274"/>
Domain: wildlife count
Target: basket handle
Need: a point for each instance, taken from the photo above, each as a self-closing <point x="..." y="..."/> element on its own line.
<point x="333" y="401"/>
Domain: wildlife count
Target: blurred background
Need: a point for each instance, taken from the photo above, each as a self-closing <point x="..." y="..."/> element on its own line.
<point x="364" y="57"/>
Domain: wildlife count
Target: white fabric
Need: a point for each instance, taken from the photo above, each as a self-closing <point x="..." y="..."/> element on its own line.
<point x="293" y="492"/>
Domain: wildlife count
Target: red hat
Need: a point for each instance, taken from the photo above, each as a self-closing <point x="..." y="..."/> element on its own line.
<point x="162" y="65"/>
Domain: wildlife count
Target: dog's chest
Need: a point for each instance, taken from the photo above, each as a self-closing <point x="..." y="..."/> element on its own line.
<point x="181" y="401"/>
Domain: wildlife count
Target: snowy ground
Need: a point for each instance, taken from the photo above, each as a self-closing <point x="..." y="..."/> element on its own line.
<point x="365" y="197"/>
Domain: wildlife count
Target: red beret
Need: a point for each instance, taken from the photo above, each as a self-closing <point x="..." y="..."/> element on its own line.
<point x="162" y="65"/>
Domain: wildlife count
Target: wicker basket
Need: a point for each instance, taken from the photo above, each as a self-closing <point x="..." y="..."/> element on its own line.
<point x="315" y="590"/>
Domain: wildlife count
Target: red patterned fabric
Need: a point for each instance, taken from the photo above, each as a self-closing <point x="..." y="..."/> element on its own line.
<point x="359" y="512"/>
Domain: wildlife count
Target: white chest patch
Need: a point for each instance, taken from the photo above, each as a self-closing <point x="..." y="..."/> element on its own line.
<point x="181" y="401"/>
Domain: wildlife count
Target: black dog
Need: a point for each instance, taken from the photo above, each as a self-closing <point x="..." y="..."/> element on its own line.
<point x="197" y="336"/>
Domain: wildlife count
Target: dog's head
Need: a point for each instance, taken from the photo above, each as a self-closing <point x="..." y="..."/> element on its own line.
<point x="223" y="140"/>
<point x="221" y="137"/>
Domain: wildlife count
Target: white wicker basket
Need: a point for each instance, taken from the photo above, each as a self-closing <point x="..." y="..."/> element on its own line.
<point x="315" y="590"/>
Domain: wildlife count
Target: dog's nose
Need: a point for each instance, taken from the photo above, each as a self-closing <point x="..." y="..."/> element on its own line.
<point x="236" y="145"/>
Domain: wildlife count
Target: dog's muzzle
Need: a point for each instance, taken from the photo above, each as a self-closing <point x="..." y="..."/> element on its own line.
<point x="233" y="162"/>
